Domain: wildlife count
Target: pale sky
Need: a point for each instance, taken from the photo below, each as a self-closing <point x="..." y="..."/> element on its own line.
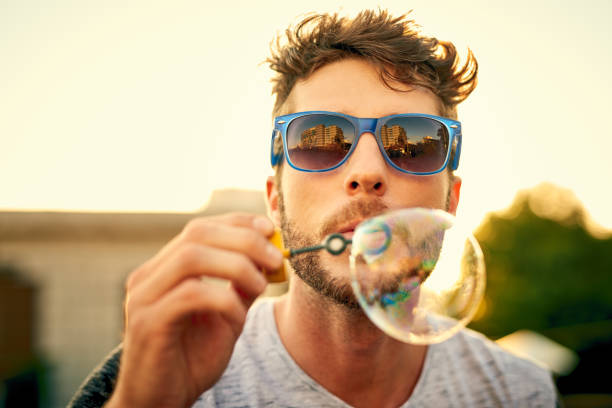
<point x="142" y="105"/>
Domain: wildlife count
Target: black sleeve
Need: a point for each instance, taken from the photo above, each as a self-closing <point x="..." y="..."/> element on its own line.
<point x="99" y="385"/>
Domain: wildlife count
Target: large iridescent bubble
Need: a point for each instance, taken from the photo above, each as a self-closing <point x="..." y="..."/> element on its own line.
<point x="417" y="274"/>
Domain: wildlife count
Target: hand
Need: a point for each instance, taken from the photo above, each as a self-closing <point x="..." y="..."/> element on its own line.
<point x="181" y="330"/>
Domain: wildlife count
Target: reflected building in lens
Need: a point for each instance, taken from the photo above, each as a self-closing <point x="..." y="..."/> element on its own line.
<point x="429" y="144"/>
<point x="396" y="143"/>
<point x="432" y="144"/>
<point x="394" y="140"/>
<point x="322" y="137"/>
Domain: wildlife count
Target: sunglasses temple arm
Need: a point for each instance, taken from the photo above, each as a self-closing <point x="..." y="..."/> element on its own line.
<point x="276" y="157"/>
<point x="457" y="154"/>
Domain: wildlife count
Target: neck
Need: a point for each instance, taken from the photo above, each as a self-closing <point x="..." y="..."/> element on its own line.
<point x="344" y="352"/>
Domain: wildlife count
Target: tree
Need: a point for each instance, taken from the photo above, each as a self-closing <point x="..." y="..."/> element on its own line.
<point x="546" y="271"/>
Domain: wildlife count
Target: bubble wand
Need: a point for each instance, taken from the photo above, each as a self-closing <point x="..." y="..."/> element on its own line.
<point x="335" y="244"/>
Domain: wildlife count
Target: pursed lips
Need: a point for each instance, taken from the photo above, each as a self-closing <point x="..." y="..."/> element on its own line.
<point x="348" y="229"/>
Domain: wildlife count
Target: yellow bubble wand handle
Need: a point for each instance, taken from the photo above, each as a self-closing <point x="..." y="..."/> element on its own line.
<point x="335" y="244"/>
<point x="278" y="275"/>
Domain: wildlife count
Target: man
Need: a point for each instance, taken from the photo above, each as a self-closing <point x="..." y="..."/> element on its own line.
<point x="186" y="342"/>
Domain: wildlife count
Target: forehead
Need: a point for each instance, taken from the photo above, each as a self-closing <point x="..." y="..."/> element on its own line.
<point x="354" y="87"/>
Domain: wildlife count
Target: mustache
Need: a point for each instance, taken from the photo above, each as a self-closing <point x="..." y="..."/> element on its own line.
<point x="350" y="212"/>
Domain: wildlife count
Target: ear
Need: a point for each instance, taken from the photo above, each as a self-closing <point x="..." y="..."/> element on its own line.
<point x="272" y="200"/>
<point x="455" y="190"/>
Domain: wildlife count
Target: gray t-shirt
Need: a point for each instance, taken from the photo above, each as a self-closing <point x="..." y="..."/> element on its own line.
<point x="468" y="370"/>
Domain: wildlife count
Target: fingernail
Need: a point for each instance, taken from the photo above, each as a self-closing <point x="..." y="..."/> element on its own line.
<point x="263" y="225"/>
<point x="274" y="254"/>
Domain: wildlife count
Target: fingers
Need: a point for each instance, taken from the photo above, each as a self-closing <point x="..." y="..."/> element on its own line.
<point x="231" y="247"/>
<point x="239" y="239"/>
<point x="239" y="232"/>
<point x="194" y="296"/>
<point x="193" y="261"/>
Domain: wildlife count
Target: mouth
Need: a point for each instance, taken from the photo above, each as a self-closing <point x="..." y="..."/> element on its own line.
<point x="347" y="230"/>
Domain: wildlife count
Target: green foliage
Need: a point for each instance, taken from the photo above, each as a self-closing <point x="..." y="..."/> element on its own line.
<point x="543" y="273"/>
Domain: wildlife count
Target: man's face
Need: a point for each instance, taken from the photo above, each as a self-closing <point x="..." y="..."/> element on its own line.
<point x="312" y="205"/>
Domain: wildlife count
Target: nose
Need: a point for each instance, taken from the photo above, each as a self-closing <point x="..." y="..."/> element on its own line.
<point x="366" y="169"/>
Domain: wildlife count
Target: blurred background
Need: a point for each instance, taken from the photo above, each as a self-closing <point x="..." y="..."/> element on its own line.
<point x="120" y="121"/>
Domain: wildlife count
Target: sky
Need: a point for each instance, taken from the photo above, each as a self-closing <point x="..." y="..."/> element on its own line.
<point x="151" y="105"/>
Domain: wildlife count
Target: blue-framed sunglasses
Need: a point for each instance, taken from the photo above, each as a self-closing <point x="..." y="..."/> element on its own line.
<point x="413" y="143"/>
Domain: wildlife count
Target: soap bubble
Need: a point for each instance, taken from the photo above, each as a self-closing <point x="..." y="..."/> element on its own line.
<point x="417" y="274"/>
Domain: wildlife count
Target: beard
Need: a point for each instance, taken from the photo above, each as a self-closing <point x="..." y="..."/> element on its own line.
<point x="309" y="266"/>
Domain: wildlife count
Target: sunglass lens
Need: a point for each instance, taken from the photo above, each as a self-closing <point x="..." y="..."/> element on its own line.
<point x="415" y="143"/>
<point x="319" y="141"/>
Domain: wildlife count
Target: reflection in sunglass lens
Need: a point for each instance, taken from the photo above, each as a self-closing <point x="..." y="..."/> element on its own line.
<point x="415" y="143"/>
<point x="318" y="141"/>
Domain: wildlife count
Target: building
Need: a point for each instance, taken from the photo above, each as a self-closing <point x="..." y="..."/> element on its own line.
<point x="321" y="136"/>
<point x="393" y="137"/>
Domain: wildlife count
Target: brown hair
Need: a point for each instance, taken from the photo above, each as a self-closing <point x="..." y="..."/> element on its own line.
<point x="393" y="44"/>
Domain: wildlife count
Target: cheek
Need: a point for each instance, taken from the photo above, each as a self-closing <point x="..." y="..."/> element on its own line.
<point x="302" y="198"/>
<point x="422" y="191"/>
<point x="438" y="191"/>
